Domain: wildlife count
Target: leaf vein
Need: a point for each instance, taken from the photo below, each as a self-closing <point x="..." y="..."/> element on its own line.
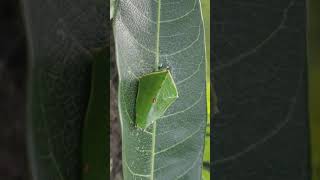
<point x="185" y="110"/>
<point x="133" y="173"/>
<point x="180" y="142"/>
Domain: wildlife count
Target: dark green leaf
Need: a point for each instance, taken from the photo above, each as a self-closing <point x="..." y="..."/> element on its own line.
<point x="95" y="131"/>
<point x="61" y="34"/>
<point x="259" y="71"/>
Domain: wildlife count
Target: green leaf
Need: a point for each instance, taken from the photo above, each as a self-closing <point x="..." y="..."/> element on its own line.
<point x="156" y="92"/>
<point x="314" y="87"/>
<point x="95" y="131"/>
<point x="205" y="174"/>
<point x="149" y="34"/>
<point x="205" y="4"/>
<point x="61" y="35"/>
<point x="260" y="78"/>
<point x="113" y="8"/>
<point x="206" y="156"/>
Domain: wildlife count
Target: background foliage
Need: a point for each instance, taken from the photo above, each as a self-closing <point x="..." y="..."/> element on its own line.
<point x="259" y="70"/>
<point x="61" y="35"/>
<point x="13" y="161"/>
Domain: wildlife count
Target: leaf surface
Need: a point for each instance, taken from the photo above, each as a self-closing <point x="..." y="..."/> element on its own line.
<point x="205" y="4"/>
<point x="61" y="34"/>
<point x="259" y="70"/>
<point x="149" y="34"/>
<point x="313" y="84"/>
<point x="96" y="129"/>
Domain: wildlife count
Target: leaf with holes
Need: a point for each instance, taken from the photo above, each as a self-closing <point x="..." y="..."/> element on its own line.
<point x="162" y="33"/>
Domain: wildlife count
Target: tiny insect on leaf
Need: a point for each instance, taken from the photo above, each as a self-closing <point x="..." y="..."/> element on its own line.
<point x="156" y="93"/>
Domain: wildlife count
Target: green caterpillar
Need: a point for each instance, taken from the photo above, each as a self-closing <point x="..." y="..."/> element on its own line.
<point x="156" y="93"/>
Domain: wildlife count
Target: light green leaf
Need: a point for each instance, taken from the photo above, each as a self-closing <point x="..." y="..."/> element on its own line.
<point x="205" y="4"/>
<point x="206" y="156"/>
<point x="113" y="8"/>
<point x="314" y="87"/>
<point x="205" y="174"/>
<point x="149" y="34"/>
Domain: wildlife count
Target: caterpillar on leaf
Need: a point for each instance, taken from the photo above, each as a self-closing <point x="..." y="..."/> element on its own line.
<point x="156" y="93"/>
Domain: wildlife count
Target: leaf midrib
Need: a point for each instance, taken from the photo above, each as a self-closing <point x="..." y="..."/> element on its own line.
<point x="156" y="68"/>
